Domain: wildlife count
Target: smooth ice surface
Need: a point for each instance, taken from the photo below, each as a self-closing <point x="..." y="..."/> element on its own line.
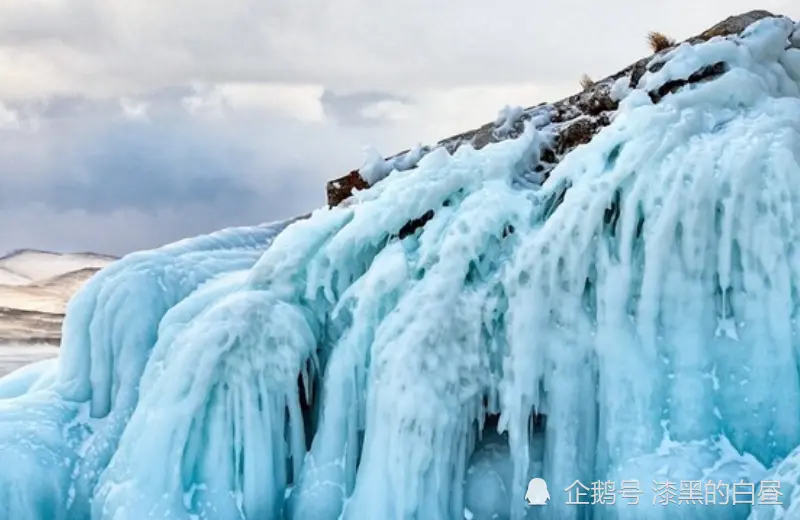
<point x="28" y="378"/>
<point x="634" y="317"/>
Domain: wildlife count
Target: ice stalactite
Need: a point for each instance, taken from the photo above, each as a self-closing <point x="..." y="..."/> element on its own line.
<point x="226" y="457"/>
<point x="668" y="272"/>
<point x="411" y="290"/>
<point x="429" y="369"/>
<point x="134" y="294"/>
<point x="329" y="471"/>
<point x="108" y="336"/>
<point x="221" y="451"/>
<point x="141" y="286"/>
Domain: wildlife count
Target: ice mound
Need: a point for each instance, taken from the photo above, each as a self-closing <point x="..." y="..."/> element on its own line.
<point x="788" y="474"/>
<point x="29" y="378"/>
<point x="631" y="318"/>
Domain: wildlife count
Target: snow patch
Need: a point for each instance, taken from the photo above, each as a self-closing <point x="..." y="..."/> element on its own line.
<point x="376" y="168"/>
<point x="620" y="88"/>
<point x="507" y="118"/>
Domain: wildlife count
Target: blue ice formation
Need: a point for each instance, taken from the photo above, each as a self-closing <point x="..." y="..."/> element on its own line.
<point x="634" y="317"/>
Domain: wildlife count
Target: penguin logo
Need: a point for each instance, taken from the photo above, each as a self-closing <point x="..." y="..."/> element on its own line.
<point x="537" y="494"/>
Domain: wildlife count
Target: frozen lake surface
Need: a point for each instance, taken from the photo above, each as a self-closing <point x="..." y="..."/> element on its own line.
<point x="14" y="356"/>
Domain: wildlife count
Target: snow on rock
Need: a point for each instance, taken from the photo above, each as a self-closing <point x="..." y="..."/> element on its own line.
<point x="620" y="88"/>
<point x="376" y="167"/>
<point x="341" y="189"/>
<point x="575" y="120"/>
<point x="629" y="316"/>
<point x="507" y="118"/>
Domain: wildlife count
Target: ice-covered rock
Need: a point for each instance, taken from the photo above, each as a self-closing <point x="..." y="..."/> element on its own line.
<point x="630" y="317"/>
<point x="507" y="119"/>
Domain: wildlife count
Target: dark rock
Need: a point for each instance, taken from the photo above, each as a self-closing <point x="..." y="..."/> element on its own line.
<point x="732" y="25"/>
<point x="342" y="188"/>
<point x="548" y="155"/>
<point x="706" y="73"/>
<point x="637" y="71"/>
<point x="578" y="132"/>
<point x="410" y="227"/>
<point x="598" y="101"/>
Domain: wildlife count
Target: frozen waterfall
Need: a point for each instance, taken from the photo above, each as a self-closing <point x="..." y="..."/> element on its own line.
<point x="632" y="318"/>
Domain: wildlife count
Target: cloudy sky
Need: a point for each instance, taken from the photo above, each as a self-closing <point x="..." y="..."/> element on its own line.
<point x="126" y="124"/>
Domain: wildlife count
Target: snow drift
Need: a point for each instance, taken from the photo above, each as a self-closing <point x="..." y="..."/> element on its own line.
<point x="633" y="316"/>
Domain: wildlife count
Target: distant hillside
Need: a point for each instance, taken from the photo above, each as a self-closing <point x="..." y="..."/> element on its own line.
<point x="35" y="287"/>
<point x="29" y="265"/>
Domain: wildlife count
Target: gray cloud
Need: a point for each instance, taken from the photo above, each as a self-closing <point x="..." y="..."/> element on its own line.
<point x="88" y="178"/>
<point x="357" y="45"/>
<point x="349" y="108"/>
<point x="124" y="124"/>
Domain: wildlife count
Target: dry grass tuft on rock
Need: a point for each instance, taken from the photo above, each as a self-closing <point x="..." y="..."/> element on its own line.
<point x="586" y="81"/>
<point x="659" y="41"/>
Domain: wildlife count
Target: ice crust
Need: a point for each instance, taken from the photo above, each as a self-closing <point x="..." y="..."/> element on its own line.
<point x="507" y="118"/>
<point x="634" y="317"/>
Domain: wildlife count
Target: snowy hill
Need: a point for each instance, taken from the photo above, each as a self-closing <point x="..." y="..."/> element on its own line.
<point x="600" y="292"/>
<point x="29" y="265"/>
<point x="34" y="289"/>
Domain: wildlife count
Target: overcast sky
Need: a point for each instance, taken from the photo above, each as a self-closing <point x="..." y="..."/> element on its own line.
<point x="127" y="124"/>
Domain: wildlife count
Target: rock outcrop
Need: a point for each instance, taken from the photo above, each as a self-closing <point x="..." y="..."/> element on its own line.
<point x="340" y="189"/>
<point x="576" y="119"/>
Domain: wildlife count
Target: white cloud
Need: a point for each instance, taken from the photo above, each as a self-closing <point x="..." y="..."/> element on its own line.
<point x="300" y="102"/>
<point x="296" y="102"/>
<point x="433" y="114"/>
<point x="9" y="120"/>
<point x="390" y="109"/>
<point x="455" y="110"/>
<point x="118" y="47"/>
<point x="133" y="110"/>
<point x="205" y="102"/>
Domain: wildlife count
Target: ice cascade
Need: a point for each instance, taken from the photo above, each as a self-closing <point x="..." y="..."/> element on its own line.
<point x="634" y="317"/>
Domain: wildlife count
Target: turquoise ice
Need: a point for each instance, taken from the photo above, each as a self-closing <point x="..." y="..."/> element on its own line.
<point x="635" y="316"/>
